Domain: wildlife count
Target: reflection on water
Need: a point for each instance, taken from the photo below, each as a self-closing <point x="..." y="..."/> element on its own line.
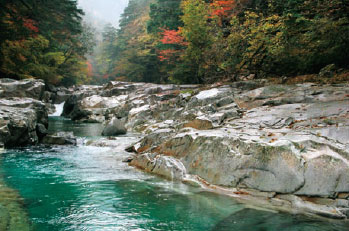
<point x="257" y="220"/>
<point x="90" y="188"/>
<point x="79" y="129"/>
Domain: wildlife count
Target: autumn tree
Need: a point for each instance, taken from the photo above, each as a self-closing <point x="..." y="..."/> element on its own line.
<point x="51" y="30"/>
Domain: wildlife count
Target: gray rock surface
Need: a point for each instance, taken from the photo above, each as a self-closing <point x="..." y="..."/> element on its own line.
<point x="280" y="139"/>
<point x="288" y="144"/>
<point x="60" y="138"/>
<point x="30" y="88"/>
<point x="114" y="127"/>
<point x="22" y="121"/>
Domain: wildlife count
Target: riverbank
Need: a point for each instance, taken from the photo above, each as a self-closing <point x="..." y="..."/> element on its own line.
<point x="89" y="187"/>
<point x="13" y="216"/>
<point x="281" y="147"/>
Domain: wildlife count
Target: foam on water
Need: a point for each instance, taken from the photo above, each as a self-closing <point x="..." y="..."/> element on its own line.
<point x="59" y="109"/>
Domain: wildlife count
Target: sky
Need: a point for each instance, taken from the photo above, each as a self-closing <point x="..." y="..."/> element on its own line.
<point x="106" y="10"/>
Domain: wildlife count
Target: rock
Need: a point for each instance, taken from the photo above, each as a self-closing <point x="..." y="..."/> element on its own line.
<point x="127" y="160"/>
<point x="344" y="211"/>
<point x="50" y="87"/>
<point x="93" y="108"/>
<point x="209" y="96"/>
<point x="114" y="127"/>
<point x="325" y="174"/>
<point x="225" y="101"/>
<point x="153" y="90"/>
<point x="115" y="88"/>
<point x="131" y="149"/>
<point x="285" y="146"/>
<point x="30" y="88"/>
<point x="46" y="97"/>
<point x="248" y="85"/>
<point x="199" y="124"/>
<point x="41" y="131"/>
<point x="165" y="166"/>
<point x="72" y="109"/>
<point x="60" y="97"/>
<point x="343" y="195"/>
<point x="19" y="118"/>
<point x="60" y="138"/>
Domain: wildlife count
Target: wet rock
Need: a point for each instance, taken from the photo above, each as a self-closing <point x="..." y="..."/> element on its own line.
<point x="60" y="138"/>
<point x="114" y="127"/>
<point x="41" y="131"/>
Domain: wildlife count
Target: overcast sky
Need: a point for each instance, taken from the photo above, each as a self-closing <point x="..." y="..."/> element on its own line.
<point x="106" y="10"/>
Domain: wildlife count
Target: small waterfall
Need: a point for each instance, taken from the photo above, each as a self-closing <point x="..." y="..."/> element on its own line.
<point x="59" y="109"/>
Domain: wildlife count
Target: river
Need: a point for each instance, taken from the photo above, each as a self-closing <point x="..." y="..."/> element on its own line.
<point x="90" y="188"/>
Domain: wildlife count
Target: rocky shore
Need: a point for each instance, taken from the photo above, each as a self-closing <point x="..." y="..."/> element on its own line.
<point x="282" y="147"/>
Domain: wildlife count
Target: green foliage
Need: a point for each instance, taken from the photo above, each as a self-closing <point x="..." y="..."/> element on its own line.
<point x="164" y="14"/>
<point x="201" y="41"/>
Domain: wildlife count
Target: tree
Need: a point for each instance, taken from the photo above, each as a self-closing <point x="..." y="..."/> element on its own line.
<point x="55" y="26"/>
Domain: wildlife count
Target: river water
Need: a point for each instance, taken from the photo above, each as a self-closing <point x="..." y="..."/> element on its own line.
<point x="90" y="188"/>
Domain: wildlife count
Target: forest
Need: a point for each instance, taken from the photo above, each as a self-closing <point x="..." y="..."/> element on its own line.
<point x="176" y="41"/>
<point x="44" y="39"/>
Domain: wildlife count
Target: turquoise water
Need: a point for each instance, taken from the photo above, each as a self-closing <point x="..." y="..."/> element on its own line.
<point x="89" y="188"/>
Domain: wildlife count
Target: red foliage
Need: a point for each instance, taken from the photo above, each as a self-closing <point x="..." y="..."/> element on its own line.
<point x="167" y="54"/>
<point x="223" y="8"/>
<point x="30" y="25"/>
<point x="172" y="37"/>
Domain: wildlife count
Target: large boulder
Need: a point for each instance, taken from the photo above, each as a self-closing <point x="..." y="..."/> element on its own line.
<point x="114" y="127"/>
<point x="71" y="107"/>
<point x="31" y="88"/>
<point x="93" y="108"/>
<point x="22" y="121"/>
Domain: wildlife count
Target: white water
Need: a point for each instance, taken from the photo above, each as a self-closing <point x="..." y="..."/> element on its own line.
<point x="59" y="109"/>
